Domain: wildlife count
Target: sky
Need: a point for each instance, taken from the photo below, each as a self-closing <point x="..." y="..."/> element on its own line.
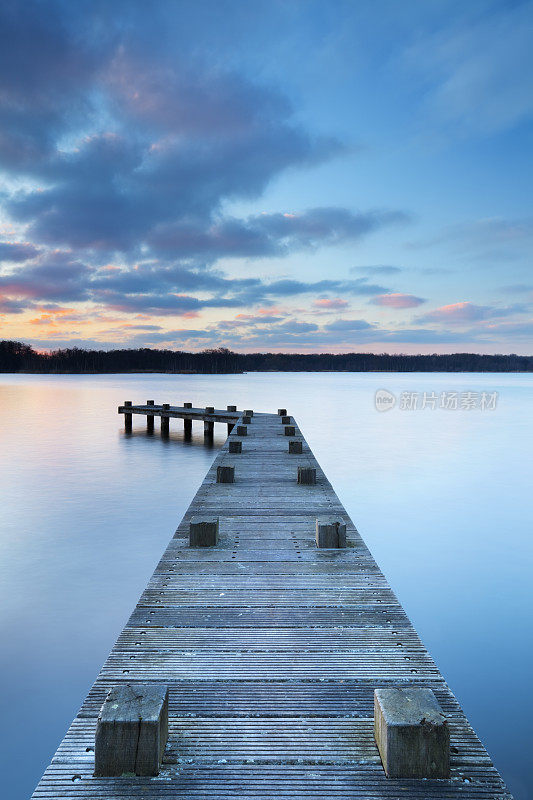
<point x="275" y="175"/>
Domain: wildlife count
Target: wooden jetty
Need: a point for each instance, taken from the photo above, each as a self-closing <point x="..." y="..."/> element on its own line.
<point x="271" y="647"/>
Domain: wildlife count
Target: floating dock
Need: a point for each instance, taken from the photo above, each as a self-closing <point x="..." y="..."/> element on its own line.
<point x="271" y="647"/>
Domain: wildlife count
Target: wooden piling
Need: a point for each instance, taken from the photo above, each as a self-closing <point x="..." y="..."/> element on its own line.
<point x="330" y="533"/>
<point x="282" y="412"/>
<point x="230" y="424"/>
<point x="306" y="475"/>
<point x="149" y="418"/>
<point x="187" y="423"/>
<point x="286" y="420"/>
<point x="165" y="421"/>
<point x="131" y="731"/>
<point x="203" y="532"/>
<point x="411" y="733"/>
<point x="225" y="474"/>
<point x="246" y="419"/>
<point x="242" y="430"/>
<point x="290" y="430"/>
<point x="127" y="418"/>
<point x="234" y="446"/>
<point x="295" y="446"/>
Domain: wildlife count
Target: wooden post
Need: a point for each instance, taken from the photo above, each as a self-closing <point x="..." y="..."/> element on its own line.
<point x="165" y="421"/>
<point x="127" y="418"/>
<point x="225" y="474"/>
<point x="203" y="532"/>
<point x="242" y="430"/>
<point x="249" y="413"/>
<point x="411" y="733"/>
<point x="285" y="420"/>
<point x="149" y="418"/>
<point x="187" y="423"/>
<point x="290" y="430"/>
<point x="306" y="475"/>
<point x="235" y="446"/>
<point x="246" y="420"/>
<point x="282" y="412"/>
<point x="295" y="446"/>
<point x="330" y="533"/>
<point x="209" y="425"/>
<point x="132" y="730"/>
<point x="231" y="424"/>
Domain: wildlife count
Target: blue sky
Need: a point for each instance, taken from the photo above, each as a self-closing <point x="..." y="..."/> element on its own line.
<point x="293" y="176"/>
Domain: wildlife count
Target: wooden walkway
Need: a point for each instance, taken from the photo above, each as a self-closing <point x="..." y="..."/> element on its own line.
<point x="272" y="649"/>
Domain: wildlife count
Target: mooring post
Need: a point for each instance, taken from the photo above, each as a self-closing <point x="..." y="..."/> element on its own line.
<point x="127" y="417"/>
<point x="306" y="475"/>
<point x="282" y="412"/>
<point x="330" y="533"/>
<point x="165" y="421"/>
<point x="411" y="733"/>
<point x="242" y="430"/>
<point x="235" y="446"/>
<point x="285" y="420"/>
<point x="187" y="423"/>
<point x="203" y="532"/>
<point x="290" y="430"/>
<point x="246" y="419"/>
<point x="248" y="413"/>
<point x="295" y="446"/>
<point x="131" y="731"/>
<point x="149" y="418"/>
<point x="209" y="425"/>
<point x="225" y="474"/>
<point x="231" y="424"/>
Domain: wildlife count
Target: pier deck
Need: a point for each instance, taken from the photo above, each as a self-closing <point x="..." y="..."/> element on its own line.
<point x="271" y="649"/>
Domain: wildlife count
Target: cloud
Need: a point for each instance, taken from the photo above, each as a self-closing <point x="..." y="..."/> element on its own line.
<point x="330" y="303"/>
<point x="270" y="234"/>
<point x="8" y="306"/>
<point x="397" y="300"/>
<point x="459" y="313"/>
<point x="17" y="251"/>
<point x="348" y="325"/>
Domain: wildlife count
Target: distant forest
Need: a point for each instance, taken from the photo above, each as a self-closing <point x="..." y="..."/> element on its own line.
<point x="19" y="357"/>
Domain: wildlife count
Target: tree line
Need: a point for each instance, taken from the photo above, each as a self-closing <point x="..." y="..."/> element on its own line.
<point x="19" y="357"/>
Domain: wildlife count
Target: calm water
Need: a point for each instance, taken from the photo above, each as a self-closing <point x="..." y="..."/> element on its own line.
<point x="442" y="498"/>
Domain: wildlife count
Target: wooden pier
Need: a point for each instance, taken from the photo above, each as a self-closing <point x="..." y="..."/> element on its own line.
<point x="271" y="647"/>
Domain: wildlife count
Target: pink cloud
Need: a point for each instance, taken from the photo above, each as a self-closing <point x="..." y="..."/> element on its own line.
<point x="333" y="302"/>
<point x="458" y="312"/>
<point x="398" y="300"/>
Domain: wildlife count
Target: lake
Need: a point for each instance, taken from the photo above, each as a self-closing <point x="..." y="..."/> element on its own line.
<point x="442" y="497"/>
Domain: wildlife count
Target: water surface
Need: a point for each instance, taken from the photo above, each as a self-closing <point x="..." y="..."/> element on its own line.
<point x="442" y="498"/>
